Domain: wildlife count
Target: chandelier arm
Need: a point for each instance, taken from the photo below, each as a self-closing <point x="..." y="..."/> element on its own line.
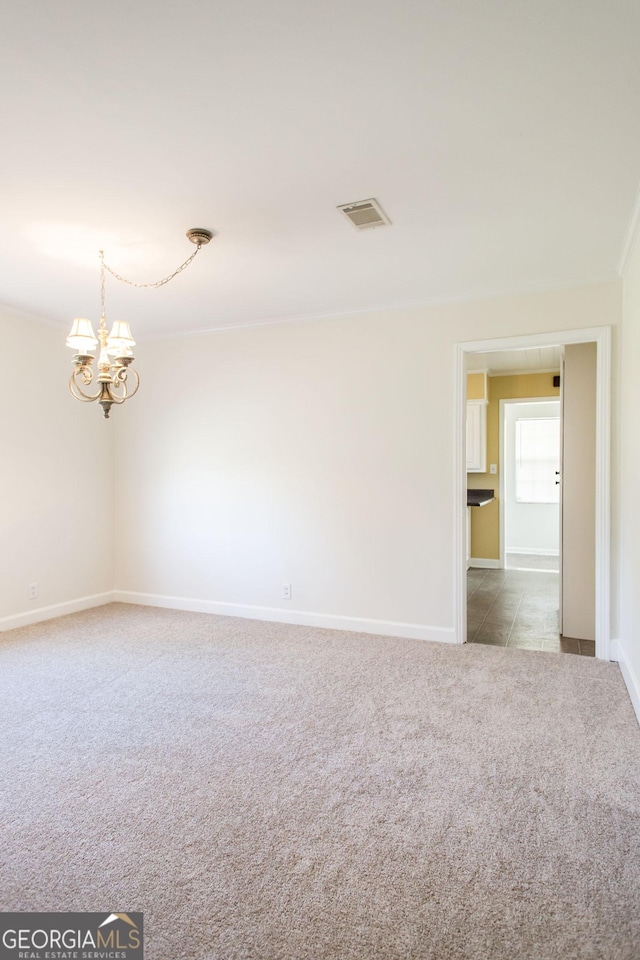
<point x="120" y="381"/>
<point x="130" y="392"/>
<point x="156" y="283"/>
<point x="77" y="391"/>
<point x="117" y="400"/>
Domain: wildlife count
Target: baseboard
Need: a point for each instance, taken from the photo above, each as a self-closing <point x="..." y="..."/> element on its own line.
<point x="533" y="552"/>
<point x="55" y="610"/>
<point x="484" y="562"/>
<point x="628" y="674"/>
<point x="303" y="618"/>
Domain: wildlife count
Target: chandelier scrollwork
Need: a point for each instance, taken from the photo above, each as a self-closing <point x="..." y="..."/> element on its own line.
<point x="116" y="379"/>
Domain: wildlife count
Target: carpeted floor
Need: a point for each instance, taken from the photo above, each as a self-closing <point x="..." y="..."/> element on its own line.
<point x="271" y="792"/>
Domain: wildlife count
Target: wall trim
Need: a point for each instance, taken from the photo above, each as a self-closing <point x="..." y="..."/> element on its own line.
<point x="602" y="337"/>
<point x="55" y="610"/>
<point x="631" y="680"/>
<point x="484" y="562"/>
<point x="303" y="618"/>
<point x="533" y="551"/>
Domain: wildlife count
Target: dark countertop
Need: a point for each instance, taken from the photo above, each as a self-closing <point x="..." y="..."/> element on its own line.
<point x="478" y="498"/>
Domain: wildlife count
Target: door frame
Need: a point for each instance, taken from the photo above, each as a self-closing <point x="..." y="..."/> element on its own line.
<point x="502" y="442"/>
<point x="601" y="336"/>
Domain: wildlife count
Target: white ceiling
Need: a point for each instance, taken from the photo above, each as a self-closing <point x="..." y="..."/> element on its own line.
<point x="516" y="361"/>
<point x="502" y="140"/>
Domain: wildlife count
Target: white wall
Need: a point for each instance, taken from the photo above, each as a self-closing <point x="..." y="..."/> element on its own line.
<point x="629" y="479"/>
<point x="319" y="454"/>
<point x="528" y="527"/>
<point x="56" y="479"/>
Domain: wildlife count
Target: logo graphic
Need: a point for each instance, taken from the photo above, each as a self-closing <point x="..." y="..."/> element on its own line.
<point x="71" y="936"/>
<point x="118" y="916"/>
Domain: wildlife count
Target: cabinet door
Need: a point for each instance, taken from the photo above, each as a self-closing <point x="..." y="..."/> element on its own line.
<point x="476" y="436"/>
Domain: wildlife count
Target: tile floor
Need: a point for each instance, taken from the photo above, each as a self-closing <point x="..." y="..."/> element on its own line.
<point x="518" y="608"/>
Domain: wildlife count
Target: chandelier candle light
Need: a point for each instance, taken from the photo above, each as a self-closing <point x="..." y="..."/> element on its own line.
<point x="117" y="380"/>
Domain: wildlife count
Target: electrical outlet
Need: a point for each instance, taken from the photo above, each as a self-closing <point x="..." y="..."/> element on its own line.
<point x="286" y="591"/>
<point x="493" y="468"/>
<point x="33" y="591"/>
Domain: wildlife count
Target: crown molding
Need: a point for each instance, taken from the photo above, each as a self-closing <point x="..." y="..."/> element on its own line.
<point x="521" y="372"/>
<point x="630" y="237"/>
<point x="17" y="313"/>
<point x="343" y="313"/>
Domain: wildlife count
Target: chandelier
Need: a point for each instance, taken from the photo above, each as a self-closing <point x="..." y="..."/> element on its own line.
<point x="116" y="380"/>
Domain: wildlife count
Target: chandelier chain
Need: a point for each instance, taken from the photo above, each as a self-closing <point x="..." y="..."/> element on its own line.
<point x="102" y="294"/>
<point x="156" y="283"/>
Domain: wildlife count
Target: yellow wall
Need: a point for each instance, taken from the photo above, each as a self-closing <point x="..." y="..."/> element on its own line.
<point x="476" y="386"/>
<point x="485" y="521"/>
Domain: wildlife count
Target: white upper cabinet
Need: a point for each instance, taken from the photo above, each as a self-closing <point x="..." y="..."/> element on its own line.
<point x="476" y="436"/>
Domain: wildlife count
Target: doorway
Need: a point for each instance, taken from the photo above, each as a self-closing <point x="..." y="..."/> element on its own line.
<point x="600" y="515"/>
<point x="518" y="605"/>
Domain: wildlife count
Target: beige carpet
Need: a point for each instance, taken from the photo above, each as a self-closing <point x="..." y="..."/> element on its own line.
<point x="282" y="793"/>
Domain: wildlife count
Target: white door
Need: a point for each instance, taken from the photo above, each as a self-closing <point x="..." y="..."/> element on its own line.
<point x="530" y="494"/>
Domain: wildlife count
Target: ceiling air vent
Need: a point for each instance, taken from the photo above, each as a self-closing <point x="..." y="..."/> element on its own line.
<point x="365" y="214"/>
